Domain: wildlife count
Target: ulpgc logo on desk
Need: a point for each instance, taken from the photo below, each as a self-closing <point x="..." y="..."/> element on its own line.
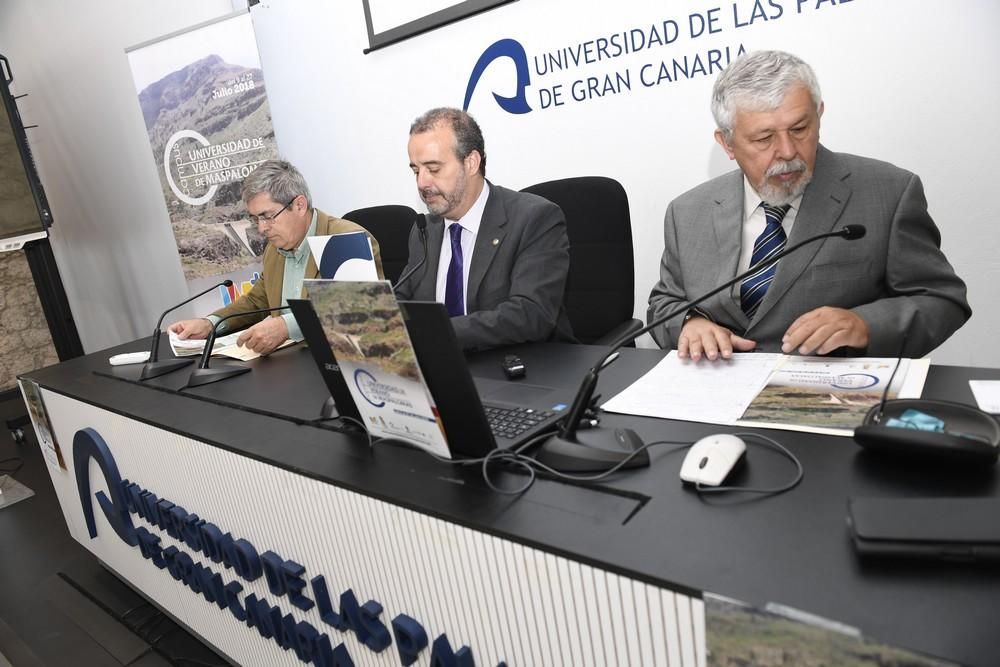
<point x="214" y="564"/>
<point x="649" y="51"/>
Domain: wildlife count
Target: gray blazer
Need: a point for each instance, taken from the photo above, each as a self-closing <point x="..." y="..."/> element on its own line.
<point x="517" y="276"/>
<point x="896" y="277"/>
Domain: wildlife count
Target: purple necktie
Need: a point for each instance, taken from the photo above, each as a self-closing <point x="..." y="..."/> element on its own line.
<point x="454" y="297"/>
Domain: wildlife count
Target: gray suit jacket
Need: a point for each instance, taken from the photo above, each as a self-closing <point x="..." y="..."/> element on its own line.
<point x="517" y="275"/>
<point x="896" y="277"/>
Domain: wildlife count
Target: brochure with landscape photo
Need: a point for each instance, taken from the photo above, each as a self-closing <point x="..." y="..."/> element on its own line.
<point x="43" y="427"/>
<point x="831" y="396"/>
<point x="365" y="329"/>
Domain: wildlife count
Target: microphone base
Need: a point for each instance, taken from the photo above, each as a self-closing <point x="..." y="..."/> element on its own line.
<point x="593" y="451"/>
<point x="329" y="409"/>
<point x="154" y="369"/>
<point x="200" y="376"/>
<point x="973" y="436"/>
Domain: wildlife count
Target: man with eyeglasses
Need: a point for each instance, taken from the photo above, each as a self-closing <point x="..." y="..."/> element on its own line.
<point x="278" y="201"/>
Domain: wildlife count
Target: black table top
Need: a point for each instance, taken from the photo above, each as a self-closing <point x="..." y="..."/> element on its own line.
<point x="793" y="549"/>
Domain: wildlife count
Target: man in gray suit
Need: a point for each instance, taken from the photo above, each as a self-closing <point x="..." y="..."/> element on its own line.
<point x="862" y="297"/>
<point x="498" y="259"/>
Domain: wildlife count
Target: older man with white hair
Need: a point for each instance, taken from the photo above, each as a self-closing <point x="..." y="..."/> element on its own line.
<point x="891" y="292"/>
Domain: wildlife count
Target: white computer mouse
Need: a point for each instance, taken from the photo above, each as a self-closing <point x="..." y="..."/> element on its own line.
<point x="710" y="460"/>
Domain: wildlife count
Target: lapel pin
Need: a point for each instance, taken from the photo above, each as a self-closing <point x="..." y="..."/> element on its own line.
<point x="496" y="241"/>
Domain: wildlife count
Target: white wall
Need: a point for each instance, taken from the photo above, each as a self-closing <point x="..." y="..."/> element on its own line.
<point x="914" y="82"/>
<point x="111" y="236"/>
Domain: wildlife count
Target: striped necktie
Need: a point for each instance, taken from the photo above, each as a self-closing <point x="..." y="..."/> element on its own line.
<point x="768" y="244"/>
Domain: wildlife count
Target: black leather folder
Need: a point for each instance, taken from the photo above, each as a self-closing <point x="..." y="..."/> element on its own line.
<point x="966" y="529"/>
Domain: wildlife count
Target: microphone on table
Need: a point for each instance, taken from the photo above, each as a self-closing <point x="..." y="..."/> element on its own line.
<point x="205" y="375"/>
<point x="598" y="451"/>
<point x="922" y="429"/>
<point x="421" y="223"/>
<point x="154" y="367"/>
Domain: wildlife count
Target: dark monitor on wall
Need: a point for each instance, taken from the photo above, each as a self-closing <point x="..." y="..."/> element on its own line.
<point x="24" y="211"/>
<point x="389" y="21"/>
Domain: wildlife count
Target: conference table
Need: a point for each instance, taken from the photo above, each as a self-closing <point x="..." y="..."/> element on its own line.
<point x="242" y="515"/>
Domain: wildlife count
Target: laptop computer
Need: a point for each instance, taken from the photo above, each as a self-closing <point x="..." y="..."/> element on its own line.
<point x="478" y="416"/>
<point x="319" y="347"/>
<point x="511" y="414"/>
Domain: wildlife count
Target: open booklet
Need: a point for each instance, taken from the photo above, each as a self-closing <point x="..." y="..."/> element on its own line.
<point x="813" y="394"/>
<point x="225" y="346"/>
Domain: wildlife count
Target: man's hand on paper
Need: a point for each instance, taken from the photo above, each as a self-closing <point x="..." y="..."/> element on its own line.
<point x="702" y="337"/>
<point x="195" y="329"/>
<point x="825" y="329"/>
<point x="265" y="336"/>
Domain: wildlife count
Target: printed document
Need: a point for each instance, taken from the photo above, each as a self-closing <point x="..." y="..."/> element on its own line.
<point x="813" y="394"/>
<point x="987" y="393"/>
<point x="715" y="393"/>
<point x="824" y="395"/>
<point x="225" y="346"/>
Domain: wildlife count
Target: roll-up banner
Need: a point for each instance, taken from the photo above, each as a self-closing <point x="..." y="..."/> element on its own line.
<point x="206" y="113"/>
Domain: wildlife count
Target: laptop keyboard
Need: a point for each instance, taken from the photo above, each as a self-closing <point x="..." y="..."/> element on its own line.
<point x="510" y="422"/>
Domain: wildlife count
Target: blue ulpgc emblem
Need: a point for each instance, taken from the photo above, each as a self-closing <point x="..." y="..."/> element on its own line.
<point x="505" y="48"/>
<point x="346" y="248"/>
<point x="89" y="445"/>
<point x="368" y="386"/>
<point x="214" y="564"/>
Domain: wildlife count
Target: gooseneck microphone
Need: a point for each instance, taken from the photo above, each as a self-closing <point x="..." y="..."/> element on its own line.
<point x="849" y="232"/>
<point x="154" y="367"/>
<point x="421" y="223"/>
<point x="205" y="375"/>
<point x="565" y="451"/>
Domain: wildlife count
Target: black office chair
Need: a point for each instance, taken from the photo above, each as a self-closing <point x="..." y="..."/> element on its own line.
<point x="601" y="288"/>
<point x="390" y="225"/>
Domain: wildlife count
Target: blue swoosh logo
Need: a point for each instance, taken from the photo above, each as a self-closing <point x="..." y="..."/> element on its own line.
<point x="340" y="249"/>
<point x="505" y="48"/>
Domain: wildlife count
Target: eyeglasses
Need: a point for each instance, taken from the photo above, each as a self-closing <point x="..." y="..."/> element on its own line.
<point x="268" y="218"/>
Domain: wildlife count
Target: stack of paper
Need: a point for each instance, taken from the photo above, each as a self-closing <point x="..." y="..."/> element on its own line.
<point x="190" y="347"/>
<point x="225" y="346"/>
